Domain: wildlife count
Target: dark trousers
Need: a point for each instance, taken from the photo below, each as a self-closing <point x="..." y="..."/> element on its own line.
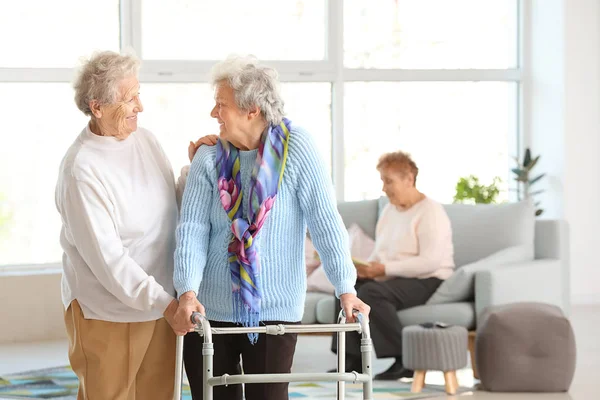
<point x="270" y="354"/>
<point x="386" y="298"/>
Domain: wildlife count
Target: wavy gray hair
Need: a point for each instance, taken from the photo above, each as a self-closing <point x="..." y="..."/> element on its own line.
<point x="98" y="78"/>
<point x="253" y="84"/>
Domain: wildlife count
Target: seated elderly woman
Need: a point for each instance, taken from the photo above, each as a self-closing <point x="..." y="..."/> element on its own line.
<point x="240" y="241"/>
<point x="413" y="254"/>
<point x="116" y="196"/>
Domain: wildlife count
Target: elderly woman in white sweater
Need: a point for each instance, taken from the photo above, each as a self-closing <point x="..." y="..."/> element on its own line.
<point x="413" y="254"/>
<point x="116" y="195"/>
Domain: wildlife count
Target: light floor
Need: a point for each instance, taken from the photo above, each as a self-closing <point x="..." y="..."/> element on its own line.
<point x="313" y="355"/>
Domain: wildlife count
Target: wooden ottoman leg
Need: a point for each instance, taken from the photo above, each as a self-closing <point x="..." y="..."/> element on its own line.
<point x="472" y="352"/>
<point x="418" y="381"/>
<point x="451" y="382"/>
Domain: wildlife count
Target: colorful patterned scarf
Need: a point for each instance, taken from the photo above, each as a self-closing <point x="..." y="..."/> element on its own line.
<point x="244" y="263"/>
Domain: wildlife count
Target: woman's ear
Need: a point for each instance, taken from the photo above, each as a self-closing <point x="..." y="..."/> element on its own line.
<point x="254" y="112"/>
<point x="411" y="178"/>
<point x="95" y="108"/>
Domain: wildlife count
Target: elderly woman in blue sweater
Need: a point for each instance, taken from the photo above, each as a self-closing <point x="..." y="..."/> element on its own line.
<point x="240" y="241"/>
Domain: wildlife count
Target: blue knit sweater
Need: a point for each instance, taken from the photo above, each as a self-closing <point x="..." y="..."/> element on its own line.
<point x="305" y="197"/>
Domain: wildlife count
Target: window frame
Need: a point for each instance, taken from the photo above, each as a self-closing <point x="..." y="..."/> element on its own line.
<point x="331" y="69"/>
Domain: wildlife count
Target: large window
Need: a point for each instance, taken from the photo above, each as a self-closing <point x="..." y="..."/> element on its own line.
<point x="41" y="33"/>
<point x="43" y="121"/>
<point x="179" y="112"/>
<point x="439" y="79"/>
<point x="451" y="129"/>
<point x="430" y="34"/>
<point x="211" y="30"/>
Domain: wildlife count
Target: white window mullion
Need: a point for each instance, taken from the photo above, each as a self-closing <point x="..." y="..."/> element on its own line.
<point x="523" y="120"/>
<point x="335" y="55"/>
<point x="131" y="26"/>
<point x="36" y="74"/>
<point x="198" y="71"/>
<point x="440" y="75"/>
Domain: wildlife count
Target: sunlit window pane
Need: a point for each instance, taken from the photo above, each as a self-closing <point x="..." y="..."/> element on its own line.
<point x="309" y="105"/>
<point x="211" y="30"/>
<point x="430" y="34"/>
<point x="452" y="129"/>
<point x="178" y="113"/>
<point x="42" y="33"/>
<point x="30" y="156"/>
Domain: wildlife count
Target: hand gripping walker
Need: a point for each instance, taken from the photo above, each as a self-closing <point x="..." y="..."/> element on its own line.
<point x="209" y="381"/>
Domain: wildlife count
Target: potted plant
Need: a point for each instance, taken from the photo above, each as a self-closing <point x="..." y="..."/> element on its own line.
<point x="470" y="190"/>
<point x="524" y="179"/>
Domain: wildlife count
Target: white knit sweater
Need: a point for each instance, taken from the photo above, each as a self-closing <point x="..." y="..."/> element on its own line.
<point x="118" y="208"/>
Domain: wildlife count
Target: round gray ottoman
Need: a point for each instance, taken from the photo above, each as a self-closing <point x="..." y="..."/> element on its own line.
<point x="525" y="347"/>
<point x="437" y="349"/>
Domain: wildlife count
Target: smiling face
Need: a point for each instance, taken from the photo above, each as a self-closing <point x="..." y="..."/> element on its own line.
<point x="119" y="119"/>
<point x="234" y="124"/>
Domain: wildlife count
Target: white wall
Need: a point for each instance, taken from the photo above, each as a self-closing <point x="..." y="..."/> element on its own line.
<point x="32" y="308"/>
<point x="582" y="149"/>
<point x="562" y="123"/>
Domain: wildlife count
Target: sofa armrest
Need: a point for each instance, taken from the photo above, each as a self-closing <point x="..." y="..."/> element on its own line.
<point x="536" y="281"/>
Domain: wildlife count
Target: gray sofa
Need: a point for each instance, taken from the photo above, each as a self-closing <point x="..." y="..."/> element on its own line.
<point x="478" y="231"/>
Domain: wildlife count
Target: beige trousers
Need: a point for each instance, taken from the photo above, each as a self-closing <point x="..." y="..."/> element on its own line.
<point x="121" y="361"/>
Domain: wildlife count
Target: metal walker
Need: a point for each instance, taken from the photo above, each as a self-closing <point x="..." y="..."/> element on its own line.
<point x="203" y="328"/>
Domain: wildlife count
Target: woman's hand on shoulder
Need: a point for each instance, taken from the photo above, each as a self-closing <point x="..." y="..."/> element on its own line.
<point x="209" y="140"/>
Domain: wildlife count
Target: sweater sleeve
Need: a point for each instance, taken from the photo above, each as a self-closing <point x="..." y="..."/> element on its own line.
<point x="193" y="231"/>
<point x="87" y="212"/>
<point x="434" y="237"/>
<point x="180" y="184"/>
<point x="317" y="200"/>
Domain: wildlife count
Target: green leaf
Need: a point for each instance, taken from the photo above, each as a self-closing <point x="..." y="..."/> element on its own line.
<point x="537" y="178"/>
<point x="539" y="212"/>
<point x="469" y="190"/>
<point x="522" y="175"/>
<point x="532" y="163"/>
<point x="527" y="158"/>
<point x="537" y="192"/>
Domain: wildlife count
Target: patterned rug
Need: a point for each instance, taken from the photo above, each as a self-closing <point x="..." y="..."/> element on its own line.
<point x="61" y="384"/>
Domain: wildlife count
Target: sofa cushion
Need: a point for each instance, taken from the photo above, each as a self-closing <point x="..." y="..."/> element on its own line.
<point x="462" y="314"/>
<point x="483" y="229"/>
<point x="310" y="307"/>
<point x="318" y="282"/>
<point x="361" y="247"/>
<point x="361" y="244"/>
<point x="326" y="309"/>
<point x="363" y="213"/>
<point x="461" y="285"/>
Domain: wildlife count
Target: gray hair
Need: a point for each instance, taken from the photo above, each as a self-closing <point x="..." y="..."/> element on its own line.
<point x="253" y="84"/>
<point x="98" y="78"/>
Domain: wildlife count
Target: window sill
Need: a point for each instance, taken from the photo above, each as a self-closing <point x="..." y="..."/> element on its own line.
<point x="26" y="269"/>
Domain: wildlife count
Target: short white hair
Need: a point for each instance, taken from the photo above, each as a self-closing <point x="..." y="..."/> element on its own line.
<point x="253" y="84"/>
<point x="98" y="78"/>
